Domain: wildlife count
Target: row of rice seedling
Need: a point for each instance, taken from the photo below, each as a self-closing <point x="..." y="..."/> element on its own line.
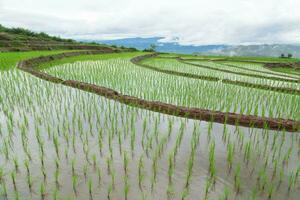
<point x="245" y="69"/>
<point x="125" y="77"/>
<point x="61" y="143"/>
<point x="257" y="67"/>
<point x="174" y="65"/>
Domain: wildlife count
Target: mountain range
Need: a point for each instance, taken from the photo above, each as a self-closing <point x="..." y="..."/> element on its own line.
<point x="269" y="50"/>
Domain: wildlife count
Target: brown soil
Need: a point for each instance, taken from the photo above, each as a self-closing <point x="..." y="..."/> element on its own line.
<point x="192" y="113"/>
<point x="294" y="65"/>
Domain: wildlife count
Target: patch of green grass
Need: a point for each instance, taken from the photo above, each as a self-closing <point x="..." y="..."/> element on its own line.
<point x="286" y="70"/>
<point x="9" y="60"/>
<point x="106" y="56"/>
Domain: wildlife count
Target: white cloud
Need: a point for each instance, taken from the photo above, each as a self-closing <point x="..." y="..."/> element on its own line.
<point x="189" y="22"/>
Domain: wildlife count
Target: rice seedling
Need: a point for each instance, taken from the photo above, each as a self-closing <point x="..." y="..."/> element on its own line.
<point x="237" y="179"/>
<point x="126" y="187"/>
<point x="93" y="126"/>
<point x="270" y="190"/>
<point x="90" y="187"/>
<point x="13" y="178"/>
<point x="141" y="174"/>
<point x="184" y="193"/>
<point x="42" y="191"/>
<point x="291" y="180"/>
<point x="212" y="167"/>
<point x="109" y="191"/>
<point x="4" y="189"/>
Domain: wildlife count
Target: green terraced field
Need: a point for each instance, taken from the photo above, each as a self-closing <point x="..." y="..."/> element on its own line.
<point x="58" y="142"/>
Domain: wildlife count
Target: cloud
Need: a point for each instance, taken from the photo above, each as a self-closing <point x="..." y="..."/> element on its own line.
<point x="186" y="22"/>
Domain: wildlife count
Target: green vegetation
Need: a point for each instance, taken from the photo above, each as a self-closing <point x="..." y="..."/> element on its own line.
<point x="62" y="143"/>
<point x="20" y="39"/>
<point x="9" y="60"/>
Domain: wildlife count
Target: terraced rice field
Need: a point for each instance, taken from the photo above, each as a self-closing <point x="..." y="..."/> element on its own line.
<point x="59" y="142"/>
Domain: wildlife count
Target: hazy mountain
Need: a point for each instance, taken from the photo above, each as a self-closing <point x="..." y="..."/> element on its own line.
<point x="272" y="50"/>
<point x="173" y="47"/>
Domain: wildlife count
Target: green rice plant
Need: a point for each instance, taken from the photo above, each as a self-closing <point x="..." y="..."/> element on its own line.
<point x="281" y="174"/>
<point x="16" y="164"/>
<point x="212" y="165"/>
<point x="85" y="169"/>
<point x="126" y="188"/>
<point x="237" y="179"/>
<point x="109" y="191"/>
<point x="42" y="190"/>
<point x="67" y="153"/>
<point x="108" y="163"/>
<point x="275" y="166"/>
<point x="297" y="173"/>
<point x="144" y="196"/>
<point x="291" y="181"/>
<point x="74" y="143"/>
<point x="171" y="167"/>
<point x="99" y="174"/>
<point x="1" y="174"/>
<point x="29" y="182"/>
<point x="54" y="194"/>
<point x="17" y="196"/>
<point x="270" y="190"/>
<point x="230" y="151"/>
<point x="253" y="195"/>
<point x="4" y="189"/>
<point x="125" y="162"/>
<point x="74" y="183"/>
<point x="190" y="167"/>
<point x="13" y="178"/>
<point x="113" y="178"/>
<point x="57" y="164"/>
<point x="184" y="193"/>
<point x="141" y="171"/>
<point x="208" y="185"/>
<point x="170" y="190"/>
<point x="56" y="145"/>
<point x="247" y="152"/>
<point x="226" y="193"/>
<point x="120" y="142"/>
<point x="56" y="176"/>
<point x="132" y="140"/>
<point x="94" y="158"/>
<point x="90" y="187"/>
<point x="73" y="166"/>
<point x="262" y="178"/>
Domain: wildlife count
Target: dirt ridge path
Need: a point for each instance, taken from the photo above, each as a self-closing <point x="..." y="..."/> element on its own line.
<point x="242" y="68"/>
<point x="137" y="61"/>
<point x="31" y="65"/>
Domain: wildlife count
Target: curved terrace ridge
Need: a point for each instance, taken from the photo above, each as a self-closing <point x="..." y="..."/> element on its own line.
<point x="137" y="61"/>
<point x="242" y="68"/>
<point x="240" y="73"/>
<point x="31" y="65"/>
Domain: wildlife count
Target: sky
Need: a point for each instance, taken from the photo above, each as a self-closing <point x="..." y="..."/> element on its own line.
<point x="188" y="22"/>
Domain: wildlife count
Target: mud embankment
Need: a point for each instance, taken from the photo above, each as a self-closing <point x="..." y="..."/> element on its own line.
<point x="137" y="61"/>
<point x="241" y="73"/>
<point x="156" y="106"/>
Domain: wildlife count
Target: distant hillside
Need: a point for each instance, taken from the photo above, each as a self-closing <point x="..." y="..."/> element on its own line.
<point x="272" y="50"/>
<point x="19" y="39"/>
<point x="172" y="47"/>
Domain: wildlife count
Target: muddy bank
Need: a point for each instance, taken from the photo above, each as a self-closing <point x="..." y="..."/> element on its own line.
<point x="192" y="113"/>
<point x="137" y="60"/>
<point x="241" y="73"/>
<point x="294" y="65"/>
